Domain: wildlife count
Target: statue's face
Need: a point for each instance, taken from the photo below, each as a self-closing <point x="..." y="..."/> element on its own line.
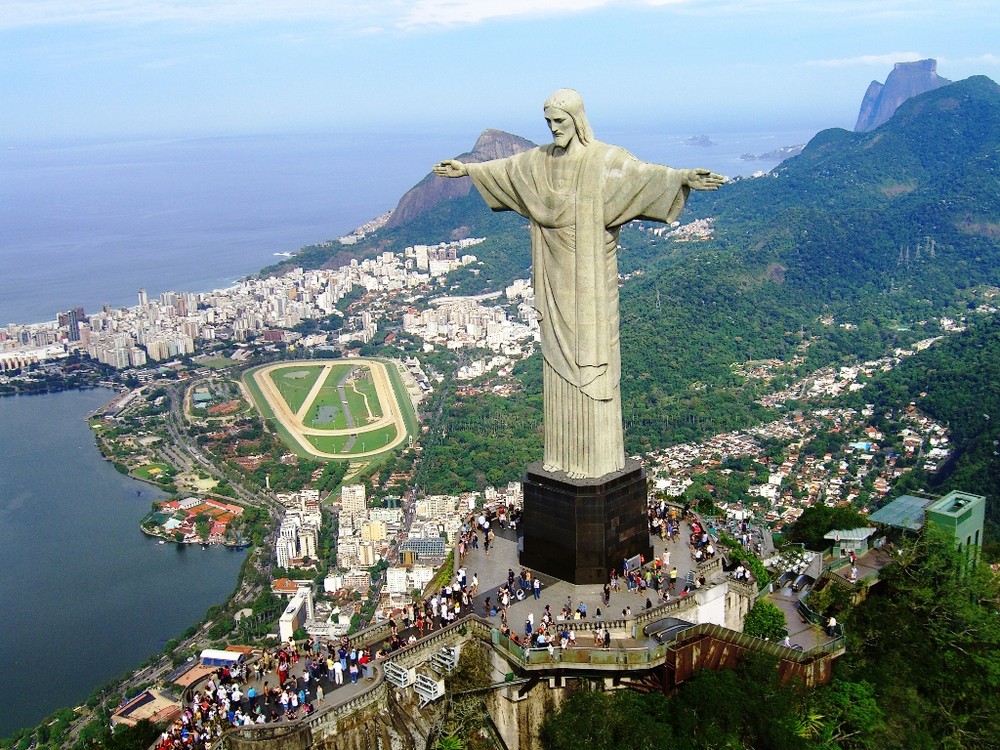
<point x="561" y="125"/>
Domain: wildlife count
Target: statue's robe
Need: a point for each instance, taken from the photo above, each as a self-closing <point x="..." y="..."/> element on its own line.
<point x="576" y="206"/>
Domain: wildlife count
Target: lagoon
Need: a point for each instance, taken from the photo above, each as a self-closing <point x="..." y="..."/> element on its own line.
<point x="86" y="595"/>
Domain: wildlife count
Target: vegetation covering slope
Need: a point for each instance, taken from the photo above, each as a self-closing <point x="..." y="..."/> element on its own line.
<point x="879" y="230"/>
<point x="955" y="383"/>
<point x="921" y="671"/>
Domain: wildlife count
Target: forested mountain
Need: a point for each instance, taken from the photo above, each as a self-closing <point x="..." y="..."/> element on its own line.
<point x="909" y="211"/>
<point x="955" y="383"/>
<point x="874" y="233"/>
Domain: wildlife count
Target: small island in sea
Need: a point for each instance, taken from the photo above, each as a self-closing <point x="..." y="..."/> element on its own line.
<point x="699" y="140"/>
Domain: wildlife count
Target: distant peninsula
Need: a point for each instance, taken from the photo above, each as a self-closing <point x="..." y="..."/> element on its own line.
<point x="778" y="154"/>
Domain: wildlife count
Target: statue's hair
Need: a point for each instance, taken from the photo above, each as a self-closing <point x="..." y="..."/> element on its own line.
<point x="570" y="102"/>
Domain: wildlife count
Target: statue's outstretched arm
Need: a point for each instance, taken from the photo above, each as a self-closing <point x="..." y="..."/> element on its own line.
<point x="450" y="168"/>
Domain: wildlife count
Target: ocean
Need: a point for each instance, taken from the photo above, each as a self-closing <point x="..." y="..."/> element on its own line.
<point x="86" y="596"/>
<point x="89" y="224"/>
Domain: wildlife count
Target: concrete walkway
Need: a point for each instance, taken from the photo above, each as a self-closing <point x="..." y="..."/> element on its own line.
<point x="492" y="571"/>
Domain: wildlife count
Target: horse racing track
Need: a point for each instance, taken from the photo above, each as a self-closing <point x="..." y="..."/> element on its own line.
<point x="334" y="409"/>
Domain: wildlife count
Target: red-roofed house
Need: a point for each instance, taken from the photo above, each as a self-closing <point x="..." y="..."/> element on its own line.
<point x="284" y="587"/>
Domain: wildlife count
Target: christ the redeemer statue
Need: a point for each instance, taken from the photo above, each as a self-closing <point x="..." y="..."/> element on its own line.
<point x="577" y="193"/>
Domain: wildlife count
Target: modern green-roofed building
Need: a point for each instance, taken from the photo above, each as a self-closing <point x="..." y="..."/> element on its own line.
<point x="958" y="513"/>
<point x="961" y="514"/>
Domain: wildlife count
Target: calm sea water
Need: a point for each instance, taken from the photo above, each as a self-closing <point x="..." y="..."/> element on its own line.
<point x="89" y="224"/>
<point x="85" y="595"/>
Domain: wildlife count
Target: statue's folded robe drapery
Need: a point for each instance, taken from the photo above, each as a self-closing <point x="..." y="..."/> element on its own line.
<point x="574" y="238"/>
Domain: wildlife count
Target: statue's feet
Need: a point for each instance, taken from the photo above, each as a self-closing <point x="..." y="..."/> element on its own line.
<point x="570" y="474"/>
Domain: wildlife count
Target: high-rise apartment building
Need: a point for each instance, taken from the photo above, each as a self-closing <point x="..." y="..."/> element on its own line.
<point x="352" y="499"/>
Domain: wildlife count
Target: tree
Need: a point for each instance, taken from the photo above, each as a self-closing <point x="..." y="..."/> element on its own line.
<point x="843" y="714"/>
<point x="138" y="737"/>
<point x="928" y="639"/>
<point x="765" y="620"/>
<point x="746" y="707"/>
<point x="817" y="520"/>
<point x="621" y="720"/>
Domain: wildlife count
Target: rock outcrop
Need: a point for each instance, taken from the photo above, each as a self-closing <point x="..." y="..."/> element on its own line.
<point x="432" y="190"/>
<point x="906" y="80"/>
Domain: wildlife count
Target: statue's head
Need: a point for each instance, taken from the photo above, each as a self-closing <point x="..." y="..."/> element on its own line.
<point x="569" y="102"/>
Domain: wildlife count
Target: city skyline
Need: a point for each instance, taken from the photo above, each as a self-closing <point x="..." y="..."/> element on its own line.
<point x="182" y="67"/>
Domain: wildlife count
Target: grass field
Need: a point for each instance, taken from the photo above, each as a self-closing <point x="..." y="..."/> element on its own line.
<point x="317" y="417"/>
<point x="151" y="472"/>
<point x="365" y="442"/>
<point x="295" y="383"/>
<point x="326" y="409"/>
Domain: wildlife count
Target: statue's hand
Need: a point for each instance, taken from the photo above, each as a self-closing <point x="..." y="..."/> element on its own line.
<point x="703" y="179"/>
<point x="450" y="168"/>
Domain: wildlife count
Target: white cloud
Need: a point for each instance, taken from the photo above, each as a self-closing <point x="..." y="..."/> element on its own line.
<point x="19" y="13"/>
<point x="888" y="59"/>
<point x="446" y="13"/>
<point x="357" y="15"/>
<point x="987" y="59"/>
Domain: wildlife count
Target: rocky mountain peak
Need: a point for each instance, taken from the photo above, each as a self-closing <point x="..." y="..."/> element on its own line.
<point x="432" y="190"/>
<point x="906" y="80"/>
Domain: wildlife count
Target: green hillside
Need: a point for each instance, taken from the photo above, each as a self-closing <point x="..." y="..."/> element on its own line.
<point x="879" y="231"/>
<point x="955" y="383"/>
<point x="841" y="216"/>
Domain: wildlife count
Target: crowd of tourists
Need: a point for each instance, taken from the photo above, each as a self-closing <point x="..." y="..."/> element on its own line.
<point x="285" y="682"/>
<point x="282" y="684"/>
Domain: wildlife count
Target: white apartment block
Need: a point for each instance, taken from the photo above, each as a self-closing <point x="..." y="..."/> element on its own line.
<point x="352" y="499"/>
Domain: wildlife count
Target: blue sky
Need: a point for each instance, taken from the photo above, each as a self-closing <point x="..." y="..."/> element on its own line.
<point x="96" y="68"/>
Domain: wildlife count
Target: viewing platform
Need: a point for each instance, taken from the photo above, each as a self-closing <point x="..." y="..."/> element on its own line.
<point x="399" y="685"/>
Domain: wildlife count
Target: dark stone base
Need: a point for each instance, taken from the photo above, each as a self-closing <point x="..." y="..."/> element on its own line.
<point x="579" y="529"/>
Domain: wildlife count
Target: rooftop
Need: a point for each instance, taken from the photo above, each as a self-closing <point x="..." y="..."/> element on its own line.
<point x="955" y="503"/>
<point x="905" y="512"/>
<point x="850" y="534"/>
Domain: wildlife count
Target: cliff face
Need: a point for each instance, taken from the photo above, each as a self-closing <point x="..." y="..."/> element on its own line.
<point x="432" y="190"/>
<point x="906" y="80"/>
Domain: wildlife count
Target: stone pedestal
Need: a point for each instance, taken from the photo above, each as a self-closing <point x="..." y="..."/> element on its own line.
<point x="578" y="529"/>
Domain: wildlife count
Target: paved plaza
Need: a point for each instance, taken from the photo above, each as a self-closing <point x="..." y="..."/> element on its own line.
<point x="493" y="571"/>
